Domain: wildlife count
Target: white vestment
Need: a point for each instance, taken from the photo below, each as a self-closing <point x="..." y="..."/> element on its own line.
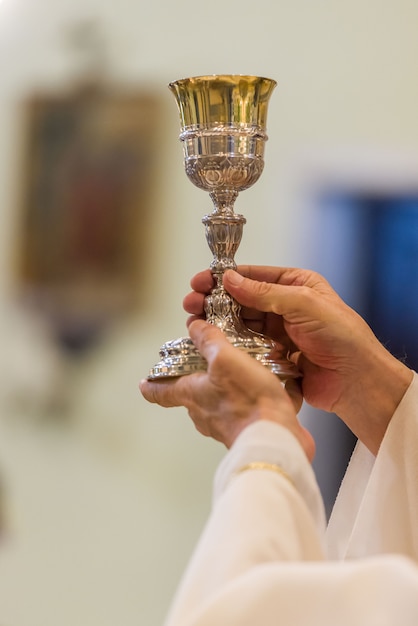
<point x="265" y="558"/>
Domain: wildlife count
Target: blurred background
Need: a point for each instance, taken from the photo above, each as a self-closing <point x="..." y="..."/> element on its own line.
<point x="103" y="496"/>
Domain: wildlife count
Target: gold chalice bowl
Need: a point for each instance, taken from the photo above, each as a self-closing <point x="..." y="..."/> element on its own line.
<point x="223" y="132"/>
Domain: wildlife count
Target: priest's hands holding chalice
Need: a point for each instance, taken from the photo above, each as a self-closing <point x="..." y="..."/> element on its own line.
<point x="344" y="368"/>
<point x="235" y="391"/>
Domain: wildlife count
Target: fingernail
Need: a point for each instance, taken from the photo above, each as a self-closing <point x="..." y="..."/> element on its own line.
<point x="234" y="278"/>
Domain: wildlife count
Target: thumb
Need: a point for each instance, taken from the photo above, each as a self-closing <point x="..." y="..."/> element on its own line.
<point x="250" y="293"/>
<point x="207" y="338"/>
<point x="293" y="302"/>
<point x="225" y="360"/>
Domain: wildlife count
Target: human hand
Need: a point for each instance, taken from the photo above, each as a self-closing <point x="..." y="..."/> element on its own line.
<point x="235" y="391"/>
<point x="345" y="368"/>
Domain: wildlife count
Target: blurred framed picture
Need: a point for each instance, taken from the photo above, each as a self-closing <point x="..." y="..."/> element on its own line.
<point x="89" y="176"/>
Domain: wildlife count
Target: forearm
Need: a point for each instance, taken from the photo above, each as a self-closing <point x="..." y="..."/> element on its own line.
<point x="259" y="517"/>
<point x="260" y="558"/>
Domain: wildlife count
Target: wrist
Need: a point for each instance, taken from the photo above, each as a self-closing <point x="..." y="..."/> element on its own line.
<point x="377" y="388"/>
<point x="271" y="445"/>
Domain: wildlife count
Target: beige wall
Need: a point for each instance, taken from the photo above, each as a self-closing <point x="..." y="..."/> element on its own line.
<point x="104" y="511"/>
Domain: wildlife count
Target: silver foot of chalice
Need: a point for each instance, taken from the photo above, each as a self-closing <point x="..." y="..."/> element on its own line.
<point x="223" y="124"/>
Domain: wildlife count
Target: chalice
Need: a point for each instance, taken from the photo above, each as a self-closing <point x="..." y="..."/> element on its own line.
<point x="223" y="132"/>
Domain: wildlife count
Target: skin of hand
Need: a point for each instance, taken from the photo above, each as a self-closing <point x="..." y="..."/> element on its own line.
<point x="235" y="391"/>
<point x="345" y="369"/>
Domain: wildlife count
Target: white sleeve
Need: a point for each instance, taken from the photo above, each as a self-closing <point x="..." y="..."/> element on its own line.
<point x="260" y="559"/>
<point x="376" y="511"/>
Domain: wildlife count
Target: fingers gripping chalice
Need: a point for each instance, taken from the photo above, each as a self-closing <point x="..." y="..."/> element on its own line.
<point x="223" y="131"/>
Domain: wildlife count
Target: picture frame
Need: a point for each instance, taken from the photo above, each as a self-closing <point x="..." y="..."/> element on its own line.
<point x="89" y="174"/>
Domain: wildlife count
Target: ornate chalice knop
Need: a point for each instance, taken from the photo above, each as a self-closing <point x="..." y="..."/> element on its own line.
<point x="223" y="122"/>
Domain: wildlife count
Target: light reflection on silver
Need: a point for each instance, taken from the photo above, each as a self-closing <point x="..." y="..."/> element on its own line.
<point x="223" y="121"/>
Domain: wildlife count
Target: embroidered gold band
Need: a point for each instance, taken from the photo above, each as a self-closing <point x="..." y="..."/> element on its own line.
<point x="259" y="465"/>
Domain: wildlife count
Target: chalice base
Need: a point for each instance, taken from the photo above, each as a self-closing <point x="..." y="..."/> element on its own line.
<point x="181" y="357"/>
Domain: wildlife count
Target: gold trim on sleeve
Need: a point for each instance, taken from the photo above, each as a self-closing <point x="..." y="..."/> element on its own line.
<point x="260" y="465"/>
